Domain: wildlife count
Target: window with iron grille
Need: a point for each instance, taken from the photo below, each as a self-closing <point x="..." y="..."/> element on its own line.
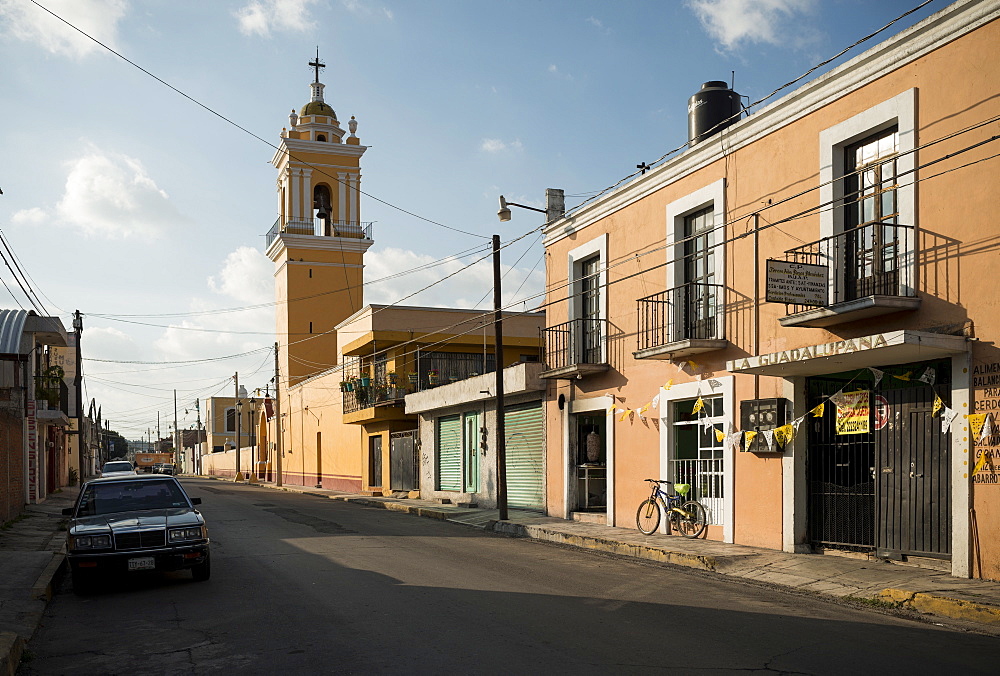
<point x="697" y="454"/>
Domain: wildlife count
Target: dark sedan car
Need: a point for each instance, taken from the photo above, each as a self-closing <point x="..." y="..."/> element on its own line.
<point x="124" y="524"/>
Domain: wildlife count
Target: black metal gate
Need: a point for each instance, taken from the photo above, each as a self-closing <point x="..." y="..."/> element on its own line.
<point x="375" y="461"/>
<point x="914" y="478"/>
<point x="889" y="489"/>
<point x="839" y="468"/>
<point x="404" y="461"/>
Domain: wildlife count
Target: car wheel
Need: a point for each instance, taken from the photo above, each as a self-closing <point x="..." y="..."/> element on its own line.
<point x="202" y="571"/>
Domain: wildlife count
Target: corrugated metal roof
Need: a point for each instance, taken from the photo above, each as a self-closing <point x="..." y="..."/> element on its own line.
<point x="11" y="329"/>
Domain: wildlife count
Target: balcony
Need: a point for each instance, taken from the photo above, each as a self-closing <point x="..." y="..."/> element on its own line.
<point x="574" y="349"/>
<point x="682" y="321"/>
<point x="319" y="226"/>
<point x="870" y="273"/>
<point x="369" y="399"/>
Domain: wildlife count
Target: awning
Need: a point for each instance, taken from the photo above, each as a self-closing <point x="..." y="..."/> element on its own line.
<point x="881" y="349"/>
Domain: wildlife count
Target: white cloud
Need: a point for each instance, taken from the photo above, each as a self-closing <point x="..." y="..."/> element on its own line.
<point x="30" y="23"/>
<point x="598" y="24"/>
<point x="735" y="22"/>
<point x="364" y="9"/>
<point x="495" y="145"/>
<point x="554" y="69"/>
<point x="464" y="290"/>
<point x="32" y="216"/>
<point x="246" y="276"/>
<point x="260" y="17"/>
<point x="111" y="195"/>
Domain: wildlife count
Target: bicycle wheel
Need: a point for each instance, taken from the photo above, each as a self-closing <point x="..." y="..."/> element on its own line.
<point x="694" y="525"/>
<point x="647" y="518"/>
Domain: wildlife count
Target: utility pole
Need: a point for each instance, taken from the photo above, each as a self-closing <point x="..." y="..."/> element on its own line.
<point x="78" y="386"/>
<point x="239" y="473"/>
<point x="177" y="435"/>
<point x="277" y="417"/>
<point x="498" y="350"/>
<point x="197" y="432"/>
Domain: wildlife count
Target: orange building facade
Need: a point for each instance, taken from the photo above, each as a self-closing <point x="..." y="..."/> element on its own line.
<point x="797" y="316"/>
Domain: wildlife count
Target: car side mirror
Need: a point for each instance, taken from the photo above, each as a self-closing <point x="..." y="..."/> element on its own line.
<point x="67" y="511"/>
<point x="195" y="501"/>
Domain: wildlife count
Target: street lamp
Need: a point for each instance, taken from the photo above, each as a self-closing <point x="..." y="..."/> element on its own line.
<point x="555" y="201"/>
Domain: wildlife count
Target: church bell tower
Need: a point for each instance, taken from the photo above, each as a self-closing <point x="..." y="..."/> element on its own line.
<point x="319" y="241"/>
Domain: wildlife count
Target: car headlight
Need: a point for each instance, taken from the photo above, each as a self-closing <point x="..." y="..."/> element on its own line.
<point x="186" y="534"/>
<point x="92" y="542"/>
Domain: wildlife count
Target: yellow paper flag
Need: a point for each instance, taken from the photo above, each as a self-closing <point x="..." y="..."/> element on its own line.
<point x="645" y="408"/>
<point x="692" y="365"/>
<point x="976" y="421"/>
<point x="818" y="410"/>
<point x="784" y="434"/>
<point x="905" y="376"/>
<point x="749" y="435"/>
<point x="938" y="405"/>
<point x="612" y="409"/>
<point x="698" y="405"/>
<point x="979" y="463"/>
<point x="670" y="383"/>
<point x="720" y="436"/>
<point x="625" y="414"/>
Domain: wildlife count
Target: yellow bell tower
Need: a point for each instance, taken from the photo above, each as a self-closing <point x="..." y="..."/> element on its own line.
<point x="318" y="242"/>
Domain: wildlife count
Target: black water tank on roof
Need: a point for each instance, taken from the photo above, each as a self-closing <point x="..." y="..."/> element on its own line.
<point x="711" y="110"/>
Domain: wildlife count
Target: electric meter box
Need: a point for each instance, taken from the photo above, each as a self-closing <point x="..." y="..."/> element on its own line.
<point x="757" y="415"/>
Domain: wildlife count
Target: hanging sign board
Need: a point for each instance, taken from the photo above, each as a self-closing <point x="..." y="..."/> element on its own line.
<point x="853" y="413"/>
<point x="797" y="283"/>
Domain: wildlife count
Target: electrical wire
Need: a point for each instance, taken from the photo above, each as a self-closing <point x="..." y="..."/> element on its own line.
<point x="247" y="131"/>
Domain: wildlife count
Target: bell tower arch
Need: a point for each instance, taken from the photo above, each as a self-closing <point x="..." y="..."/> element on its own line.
<point x="318" y="241"/>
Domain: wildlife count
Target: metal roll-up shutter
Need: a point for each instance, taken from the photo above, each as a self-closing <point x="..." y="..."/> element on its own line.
<point x="449" y="453"/>
<point x="524" y="427"/>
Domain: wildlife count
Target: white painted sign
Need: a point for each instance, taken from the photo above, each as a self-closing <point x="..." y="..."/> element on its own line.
<point x="797" y="283"/>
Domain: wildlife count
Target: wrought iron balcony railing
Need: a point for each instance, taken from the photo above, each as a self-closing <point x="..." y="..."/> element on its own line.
<point x="874" y="259"/>
<point x="319" y="226"/>
<point x="578" y="341"/>
<point x="689" y="312"/>
<point x="375" y="393"/>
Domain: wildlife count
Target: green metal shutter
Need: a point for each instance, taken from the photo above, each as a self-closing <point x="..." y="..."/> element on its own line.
<point x="524" y="425"/>
<point x="449" y="453"/>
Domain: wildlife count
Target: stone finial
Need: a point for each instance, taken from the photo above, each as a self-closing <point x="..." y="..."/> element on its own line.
<point x="284" y="133"/>
<point x="352" y="125"/>
<point x="293" y="119"/>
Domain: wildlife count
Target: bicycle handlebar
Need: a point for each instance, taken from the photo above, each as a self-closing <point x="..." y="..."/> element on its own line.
<point x="658" y="481"/>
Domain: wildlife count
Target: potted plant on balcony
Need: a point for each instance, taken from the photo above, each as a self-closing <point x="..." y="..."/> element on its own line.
<point x="392" y="378"/>
<point x="47" y="386"/>
<point x="345" y="386"/>
<point x="453" y="378"/>
<point x="365" y="379"/>
<point x="432" y="377"/>
<point x="412" y="377"/>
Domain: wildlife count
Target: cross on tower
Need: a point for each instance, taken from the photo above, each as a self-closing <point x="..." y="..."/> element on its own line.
<point x="317" y="64"/>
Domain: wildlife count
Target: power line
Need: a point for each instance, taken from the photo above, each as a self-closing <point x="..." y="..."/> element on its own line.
<point x="247" y="131"/>
<point x="754" y="104"/>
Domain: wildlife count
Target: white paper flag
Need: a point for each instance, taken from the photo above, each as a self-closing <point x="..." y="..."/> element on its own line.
<point x="928" y="376"/>
<point x="948" y="416"/>
<point x="656" y="401"/>
<point x="706" y="422"/>
<point x="987" y="430"/>
<point x="769" y="439"/>
<point x="878" y="376"/>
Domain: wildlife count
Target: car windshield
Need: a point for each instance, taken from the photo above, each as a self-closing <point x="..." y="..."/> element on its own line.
<point x="117" y="467"/>
<point x="129" y="496"/>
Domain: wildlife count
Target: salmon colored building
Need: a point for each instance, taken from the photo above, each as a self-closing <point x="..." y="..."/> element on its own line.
<point x="797" y="314"/>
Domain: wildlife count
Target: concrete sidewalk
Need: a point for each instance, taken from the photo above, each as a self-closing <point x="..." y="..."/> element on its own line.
<point x="877" y="582"/>
<point x="31" y="558"/>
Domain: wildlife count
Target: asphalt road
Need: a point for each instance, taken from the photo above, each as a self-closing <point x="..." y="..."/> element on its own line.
<point x="305" y="585"/>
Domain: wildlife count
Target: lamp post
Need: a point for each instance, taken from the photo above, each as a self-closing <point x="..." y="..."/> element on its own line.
<point x="555" y="208"/>
<point x="252" y="439"/>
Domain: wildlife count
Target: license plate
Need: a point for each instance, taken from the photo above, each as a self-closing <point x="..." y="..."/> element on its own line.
<point x="142" y="563"/>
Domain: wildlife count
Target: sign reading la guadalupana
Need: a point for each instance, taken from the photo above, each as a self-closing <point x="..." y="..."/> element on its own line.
<point x="812" y="352"/>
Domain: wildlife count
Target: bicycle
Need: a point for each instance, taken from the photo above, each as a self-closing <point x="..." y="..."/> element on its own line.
<point x="687" y="517"/>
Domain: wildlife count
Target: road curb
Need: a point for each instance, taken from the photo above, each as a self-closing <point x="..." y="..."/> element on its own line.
<point x="42" y="589"/>
<point x="11" y="649"/>
<point x="946" y="606"/>
<point x="658" y="554"/>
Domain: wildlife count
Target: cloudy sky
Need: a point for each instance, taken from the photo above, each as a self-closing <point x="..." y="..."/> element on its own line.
<point x="146" y="211"/>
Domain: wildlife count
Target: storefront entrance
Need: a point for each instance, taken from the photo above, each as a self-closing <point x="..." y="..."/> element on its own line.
<point x="883" y="486"/>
